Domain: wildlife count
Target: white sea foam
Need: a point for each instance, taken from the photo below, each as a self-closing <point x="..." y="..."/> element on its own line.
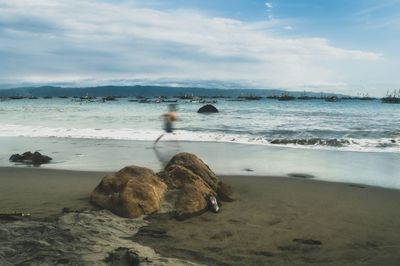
<point x="360" y="145"/>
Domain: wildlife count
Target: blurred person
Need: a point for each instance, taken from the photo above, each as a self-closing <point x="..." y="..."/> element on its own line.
<point x="168" y="118"/>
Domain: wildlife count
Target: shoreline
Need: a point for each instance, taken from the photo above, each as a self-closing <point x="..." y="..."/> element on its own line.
<point x="373" y="169"/>
<point x="353" y="223"/>
<point x="228" y="141"/>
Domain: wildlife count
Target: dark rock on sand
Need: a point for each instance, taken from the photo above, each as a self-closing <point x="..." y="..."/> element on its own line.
<point x="152" y="233"/>
<point x="301" y="175"/>
<point x="123" y="256"/>
<point x="28" y="157"/>
<point x="196" y="183"/>
<point x="208" y="108"/>
<point x="308" y="241"/>
<point x="356" y="186"/>
<point x="131" y="192"/>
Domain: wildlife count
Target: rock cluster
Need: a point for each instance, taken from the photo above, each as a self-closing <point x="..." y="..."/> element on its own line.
<point x="28" y="157"/>
<point x="134" y="191"/>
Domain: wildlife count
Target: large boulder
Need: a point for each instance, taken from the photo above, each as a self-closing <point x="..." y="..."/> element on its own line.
<point x="208" y="108"/>
<point x="28" y="157"/>
<point x="196" y="182"/>
<point x="131" y="192"/>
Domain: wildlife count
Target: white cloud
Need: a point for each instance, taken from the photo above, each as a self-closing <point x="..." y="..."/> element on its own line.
<point x="269" y="5"/>
<point x="48" y="40"/>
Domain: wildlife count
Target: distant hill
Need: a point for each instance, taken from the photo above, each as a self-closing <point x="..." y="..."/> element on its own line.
<point x="147" y="91"/>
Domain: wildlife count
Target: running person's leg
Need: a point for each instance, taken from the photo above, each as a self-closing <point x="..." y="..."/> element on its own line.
<point x="155" y="142"/>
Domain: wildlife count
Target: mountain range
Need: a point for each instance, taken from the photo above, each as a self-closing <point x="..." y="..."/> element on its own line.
<point x="149" y="91"/>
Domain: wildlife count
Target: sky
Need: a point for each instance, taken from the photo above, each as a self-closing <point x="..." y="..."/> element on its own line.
<point x="314" y="45"/>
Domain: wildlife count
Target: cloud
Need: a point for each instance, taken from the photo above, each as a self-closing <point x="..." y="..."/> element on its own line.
<point x="269" y="5"/>
<point x="48" y="40"/>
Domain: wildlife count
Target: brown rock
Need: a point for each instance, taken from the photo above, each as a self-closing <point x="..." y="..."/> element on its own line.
<point x="197" y="183"/>
<point x="191" y="202"/>
<point x="192" y="163"/>
<point x="131" y="192"/>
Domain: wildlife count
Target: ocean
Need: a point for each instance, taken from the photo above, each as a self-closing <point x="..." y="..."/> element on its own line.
<point x="347" y="125"/>
<point x="346" y="141"/>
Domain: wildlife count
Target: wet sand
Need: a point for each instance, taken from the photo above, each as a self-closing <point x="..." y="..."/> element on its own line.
<point x="283" y="221"/>
<point x="44" y="192"/>
<point x="331" y="223"/>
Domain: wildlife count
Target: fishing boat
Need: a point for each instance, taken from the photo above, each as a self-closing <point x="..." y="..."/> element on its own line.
<point x="16" y="97"/>
<point x="197" y="100"/>
<point x="393" y="97"/>
<point x="285" y="97"/>
<point x="331" y="99"/>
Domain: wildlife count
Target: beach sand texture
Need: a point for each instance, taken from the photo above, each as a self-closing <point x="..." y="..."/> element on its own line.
<point x="349" y="224"/>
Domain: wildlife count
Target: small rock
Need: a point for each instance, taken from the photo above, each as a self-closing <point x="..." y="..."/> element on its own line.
<point x="307" y="241"/>
<point x="28" y="157"/>
<point x="208" y="108"/>
<point x="123" y="256"/>
<point x="301" y="175"/>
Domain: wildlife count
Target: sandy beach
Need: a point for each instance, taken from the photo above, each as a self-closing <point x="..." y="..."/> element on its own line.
<point x="273" y="220"/>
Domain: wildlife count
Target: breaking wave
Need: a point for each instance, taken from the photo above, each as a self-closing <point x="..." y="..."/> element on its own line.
<point x="300" y="140"/>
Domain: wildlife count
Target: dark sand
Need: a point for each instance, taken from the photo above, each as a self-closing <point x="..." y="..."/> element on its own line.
<point x="44" y="192"/>
<point x="356" y="225"/>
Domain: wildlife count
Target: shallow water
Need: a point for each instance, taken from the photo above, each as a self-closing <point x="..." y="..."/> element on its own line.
<point x="372" y="168"/>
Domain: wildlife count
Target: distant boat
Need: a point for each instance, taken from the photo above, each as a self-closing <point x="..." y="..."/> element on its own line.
<point x="286" y="97"/>
<point x="170" y="101"/>
<point x="391" y="100"/>
<point x="185" y="97"/>
<point x="304" y="96"/>
<point x="367" y="98"/>
<point x="109" y="98"/>
<point x="87" y="97"/>
<point x="393" y="97"/>
<point x="197" y="100"/>
<point x="363" y="97"/>
<point x="250" y="97"/>
<point x="16" y="97"/>
<point x="48" y="97"/>
<point x="331" y="99"/>
<point x="63" y="97"/>
<point x="144" y="101"/>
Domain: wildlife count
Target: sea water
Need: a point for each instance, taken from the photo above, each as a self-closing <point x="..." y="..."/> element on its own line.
<point x="107" y="136"/>
<point x="350" y="125"/>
